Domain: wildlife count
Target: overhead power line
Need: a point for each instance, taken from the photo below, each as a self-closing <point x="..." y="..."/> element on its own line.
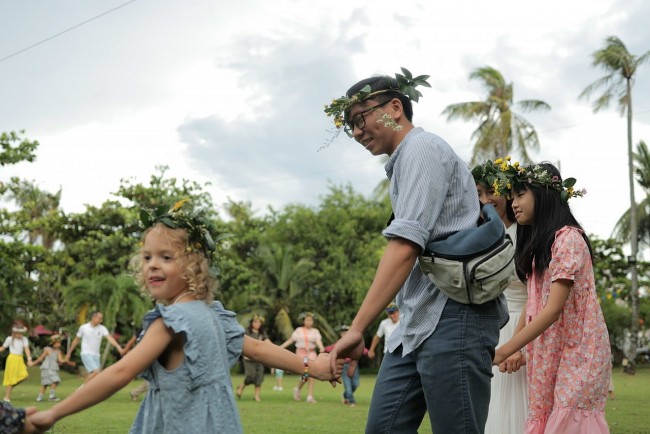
<point x="65" y="31"/>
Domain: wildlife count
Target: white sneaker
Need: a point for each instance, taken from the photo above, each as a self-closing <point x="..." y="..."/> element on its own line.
<point x="280" y="388"/>
<point x="275" y="387"/>
<point x="39" y="398"/>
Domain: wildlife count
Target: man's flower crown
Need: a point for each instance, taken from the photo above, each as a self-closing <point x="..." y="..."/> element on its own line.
<point x="199" y="230"/>
<point x="406" y="85"/>
<point x="505" y="175"/>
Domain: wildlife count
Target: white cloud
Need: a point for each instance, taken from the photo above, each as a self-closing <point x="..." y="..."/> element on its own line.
<point x="234" y="94"/>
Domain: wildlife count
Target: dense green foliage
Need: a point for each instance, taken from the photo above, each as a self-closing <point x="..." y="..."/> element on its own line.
<point x="55" y="267"/>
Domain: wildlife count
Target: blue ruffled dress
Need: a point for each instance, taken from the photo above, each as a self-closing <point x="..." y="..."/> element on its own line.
<point x="196" y="397"/>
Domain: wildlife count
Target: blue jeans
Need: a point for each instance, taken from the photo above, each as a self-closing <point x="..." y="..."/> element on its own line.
<point x="350" y="384"/>
<point x="449" y="374"/>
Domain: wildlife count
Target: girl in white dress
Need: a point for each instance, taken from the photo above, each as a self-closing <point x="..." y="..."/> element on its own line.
<point x="509" y="398"/>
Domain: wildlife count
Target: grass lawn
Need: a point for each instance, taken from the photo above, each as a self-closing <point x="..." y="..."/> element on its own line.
<point x="278" y="413"/>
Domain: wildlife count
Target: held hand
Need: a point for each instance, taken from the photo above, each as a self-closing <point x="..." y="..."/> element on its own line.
<point x="349" y="346"/>
<point x="321" y="369"/>
<point x="371" y="354"/>
<point x="28" y="427"/>
<point x="512" y="363"/>
<point x="38" y="422"/>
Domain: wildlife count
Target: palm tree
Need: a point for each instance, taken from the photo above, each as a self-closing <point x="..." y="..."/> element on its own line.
<point x="500" y="130"/>
<point x="621" y="65"/>
<point x="39" y="209"/>
<point x="282" y="275"/>
<point x="117" y="297"/>
<point x="623" y="228"/>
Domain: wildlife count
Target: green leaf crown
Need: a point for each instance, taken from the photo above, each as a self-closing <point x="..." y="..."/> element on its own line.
<point x="502" y="175"/>
<point x="406" y="85"/>
<point x="199" y="229"/>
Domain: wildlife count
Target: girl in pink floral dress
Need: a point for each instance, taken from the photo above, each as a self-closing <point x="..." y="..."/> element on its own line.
<point x="567" y="345"/>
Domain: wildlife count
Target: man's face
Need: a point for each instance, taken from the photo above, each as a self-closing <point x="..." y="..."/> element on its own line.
<point x="394" y="315"/>
<point x="97" y="319"/>
<point x="370" y="125"/>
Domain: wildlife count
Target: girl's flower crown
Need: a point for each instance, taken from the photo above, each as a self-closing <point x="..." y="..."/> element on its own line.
<point x="486" y="174"/>
<point x="510" y="174"/>
<point x="406" y="85"/>
<point x="258" y="317"/>
<point x="199" y="237"/>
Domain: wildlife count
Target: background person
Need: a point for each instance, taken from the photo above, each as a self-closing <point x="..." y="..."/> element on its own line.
<point x="15" y="368"/>
<point x="385" y="329"/>
<point x="307" y="338"/>
<point x="90" y="335"/>
<point x="279" y="374"/>
<point x="254" y="371"/>
<point x="51" y="358"/>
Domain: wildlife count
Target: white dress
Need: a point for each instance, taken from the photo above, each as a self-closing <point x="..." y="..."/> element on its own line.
<point x="509" y="397"/>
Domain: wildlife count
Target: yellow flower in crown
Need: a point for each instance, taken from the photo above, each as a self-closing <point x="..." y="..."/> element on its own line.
<point x="495" y="186"/>
<point x="178" y="205"/>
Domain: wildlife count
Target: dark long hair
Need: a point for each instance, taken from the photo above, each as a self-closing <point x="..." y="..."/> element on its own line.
<point x="261" y="329"/>
<point x="534" y="241"/>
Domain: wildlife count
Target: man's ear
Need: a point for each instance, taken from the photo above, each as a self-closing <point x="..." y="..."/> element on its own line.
<point x="396" y="110"/>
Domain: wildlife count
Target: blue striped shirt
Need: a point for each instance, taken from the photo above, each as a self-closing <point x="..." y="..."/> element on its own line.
<point x="433" y="194"/>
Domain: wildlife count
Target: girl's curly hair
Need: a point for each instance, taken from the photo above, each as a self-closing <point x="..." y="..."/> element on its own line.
<point x="194" y="265"/>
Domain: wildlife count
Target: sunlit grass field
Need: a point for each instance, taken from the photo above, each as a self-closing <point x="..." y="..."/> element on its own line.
<point x="628" y="413"/>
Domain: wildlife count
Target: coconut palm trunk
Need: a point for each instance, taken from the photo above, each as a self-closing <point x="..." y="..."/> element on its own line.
<point x="630" y="368"/>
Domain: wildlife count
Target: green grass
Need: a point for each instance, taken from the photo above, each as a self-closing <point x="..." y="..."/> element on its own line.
<point x="278" y="413"/>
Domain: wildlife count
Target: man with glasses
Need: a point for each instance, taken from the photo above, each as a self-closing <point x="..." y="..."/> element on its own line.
<point x="440" y="355"/>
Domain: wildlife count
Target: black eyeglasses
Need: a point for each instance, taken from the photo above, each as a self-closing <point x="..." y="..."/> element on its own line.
<point x="359" y="120"/>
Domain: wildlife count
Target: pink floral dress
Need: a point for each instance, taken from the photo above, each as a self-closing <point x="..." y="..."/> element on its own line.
<point x="569" y="364"/>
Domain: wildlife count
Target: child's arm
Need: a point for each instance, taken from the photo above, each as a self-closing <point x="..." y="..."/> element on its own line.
<point x="286" y="343"/>
<point x="61" y="359"/>
<point x="272" y="355"/>
<point x="28" y="353"/>
<point x="550" y="313"/>
<point x="40" y="358"/>
<point x="518" y="359"/>
<point x="112" y="379"/>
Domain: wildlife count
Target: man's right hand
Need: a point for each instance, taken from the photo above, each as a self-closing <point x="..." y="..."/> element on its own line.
<point x="349" y="346"/>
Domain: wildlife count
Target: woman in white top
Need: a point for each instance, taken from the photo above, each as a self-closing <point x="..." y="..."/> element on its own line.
<point x="509" y="397"/>
<point x="15" y="370"/>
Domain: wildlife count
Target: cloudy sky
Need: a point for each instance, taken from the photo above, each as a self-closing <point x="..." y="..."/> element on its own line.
<point x="234" y="95"/>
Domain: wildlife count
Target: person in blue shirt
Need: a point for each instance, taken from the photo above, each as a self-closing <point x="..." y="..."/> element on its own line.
<point x="439" y="357"/>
